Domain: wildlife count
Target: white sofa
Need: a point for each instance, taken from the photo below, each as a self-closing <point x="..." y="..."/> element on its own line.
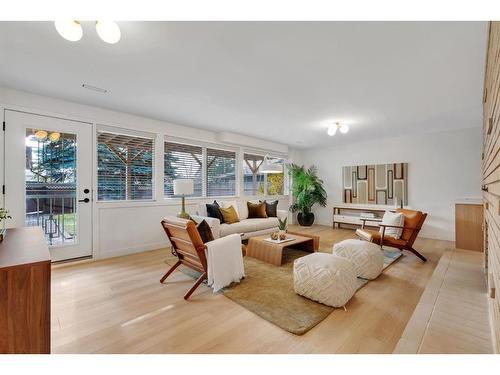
<point x="245" y="227"/>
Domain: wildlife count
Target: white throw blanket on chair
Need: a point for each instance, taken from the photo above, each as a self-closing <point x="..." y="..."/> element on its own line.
<point x="225" y="261"/>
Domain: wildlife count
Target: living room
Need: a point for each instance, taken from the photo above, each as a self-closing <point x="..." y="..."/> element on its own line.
<point x="249" y="187"/>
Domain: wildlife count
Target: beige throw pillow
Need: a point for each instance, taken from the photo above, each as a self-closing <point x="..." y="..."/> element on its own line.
<point x="392" y="218"/>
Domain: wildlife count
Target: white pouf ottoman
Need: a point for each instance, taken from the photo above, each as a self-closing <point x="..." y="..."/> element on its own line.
<point x="367" y="257"/>
<point x="325" y="278"/>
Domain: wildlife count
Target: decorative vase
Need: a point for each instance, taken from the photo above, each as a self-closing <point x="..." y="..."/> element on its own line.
<point x="305" y="219"/>
<point x="282" y="234"/>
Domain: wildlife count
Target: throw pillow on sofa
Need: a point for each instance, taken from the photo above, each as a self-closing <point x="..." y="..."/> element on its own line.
<point x="256" y="210"/>
<point x="227" y="204"/>
<point x="230" y="215"/>
<point x="392" y="218"/>
<point x="271" y="208"/>
<point x="205" y="231"/>
<point x="213" y="210"/>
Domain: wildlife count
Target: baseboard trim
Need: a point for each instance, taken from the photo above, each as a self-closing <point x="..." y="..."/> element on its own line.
<point x="130" y="250"/>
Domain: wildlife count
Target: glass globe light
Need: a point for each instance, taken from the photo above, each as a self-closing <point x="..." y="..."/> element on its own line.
<point x="344" y="128"/>
<point x="332" y="129"/>
<point x="108" y="31"/>
<point x="69" y="30"/>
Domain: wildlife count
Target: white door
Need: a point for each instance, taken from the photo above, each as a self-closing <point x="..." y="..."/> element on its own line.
<point x="48" y="180"/>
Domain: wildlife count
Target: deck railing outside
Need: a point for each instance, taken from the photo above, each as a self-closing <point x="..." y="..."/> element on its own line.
<point x="55" y="212"/>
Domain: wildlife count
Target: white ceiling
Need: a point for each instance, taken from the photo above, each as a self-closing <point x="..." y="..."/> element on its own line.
<point x="283" y="81"/>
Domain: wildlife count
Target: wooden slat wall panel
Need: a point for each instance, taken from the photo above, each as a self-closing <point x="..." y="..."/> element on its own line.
<point x="491" y="175"/>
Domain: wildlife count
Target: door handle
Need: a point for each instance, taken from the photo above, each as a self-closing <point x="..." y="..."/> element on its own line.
<point x="86" y="200"/>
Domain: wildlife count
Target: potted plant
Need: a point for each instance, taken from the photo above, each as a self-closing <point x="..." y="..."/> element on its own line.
<point x="282" y="228"/>
<point x="4" y="214"/>
<point x="307" y="190"/>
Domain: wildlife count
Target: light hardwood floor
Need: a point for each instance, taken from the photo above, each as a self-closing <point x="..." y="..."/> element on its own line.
<point x="118" y="306"/>
<point x="452" y="315"/>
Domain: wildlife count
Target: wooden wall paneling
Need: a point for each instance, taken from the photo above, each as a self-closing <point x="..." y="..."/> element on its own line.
<point x="491" y="175"/>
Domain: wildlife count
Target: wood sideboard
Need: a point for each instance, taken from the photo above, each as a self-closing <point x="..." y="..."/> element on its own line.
<point x="349" y="214"/>
<point x="469" y="225"/>
<point x="24" y="292"/>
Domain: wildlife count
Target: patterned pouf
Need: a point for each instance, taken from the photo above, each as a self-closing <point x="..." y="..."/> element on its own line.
<point x="324" y="278"/>
<point x="367" y="257"/>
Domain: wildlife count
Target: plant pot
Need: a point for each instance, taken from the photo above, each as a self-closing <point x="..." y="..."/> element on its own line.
<point x="305" y="220"/>
<point x="282" y="234"/>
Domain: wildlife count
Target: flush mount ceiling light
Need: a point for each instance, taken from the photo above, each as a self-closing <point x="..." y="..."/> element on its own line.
<point x="332" y="129"/>
<point x="69" y="30"/>
<point x="268" y="166"/>
<point x="108" y="31"/>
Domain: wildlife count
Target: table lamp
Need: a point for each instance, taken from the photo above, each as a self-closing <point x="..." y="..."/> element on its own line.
<point x="183" y="187"/>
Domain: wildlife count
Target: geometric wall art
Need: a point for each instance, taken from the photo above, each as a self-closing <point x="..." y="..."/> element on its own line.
<point x="385" y="184"/>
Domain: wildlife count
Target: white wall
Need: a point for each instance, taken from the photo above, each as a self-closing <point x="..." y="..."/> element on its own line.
<point x="126" y="227"/>
<point x="442" y="167"/>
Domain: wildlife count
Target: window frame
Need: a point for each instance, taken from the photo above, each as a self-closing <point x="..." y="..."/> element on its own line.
<point x="186" y="143"/>
<point x="204" y="146"/>
<point x="128" y="133"/>
<point x="263" y="154"/>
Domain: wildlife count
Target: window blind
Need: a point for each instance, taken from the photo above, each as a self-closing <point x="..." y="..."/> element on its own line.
<point x="182" y="161"/>
<point x="124" y="167"/>
<point x="221" y="173"/>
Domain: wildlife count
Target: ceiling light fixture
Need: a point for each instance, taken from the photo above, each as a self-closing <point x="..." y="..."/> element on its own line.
<point x="69" y="30"/>
<point x="332" y="129"/>
<point x="108" y="31"/>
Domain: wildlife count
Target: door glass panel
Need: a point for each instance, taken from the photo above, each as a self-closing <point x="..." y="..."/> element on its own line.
<point x="50" y="176"/>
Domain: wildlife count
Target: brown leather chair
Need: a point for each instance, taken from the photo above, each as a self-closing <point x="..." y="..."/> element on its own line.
<point x="189" y="248"/>
<point x="413" y="221"/>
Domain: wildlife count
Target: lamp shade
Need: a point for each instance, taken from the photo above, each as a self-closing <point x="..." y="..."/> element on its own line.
<point x="269" y="167"/>
<point x="183" y="186"/>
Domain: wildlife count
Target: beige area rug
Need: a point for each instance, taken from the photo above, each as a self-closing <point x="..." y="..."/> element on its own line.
<point x="267" y="291"/>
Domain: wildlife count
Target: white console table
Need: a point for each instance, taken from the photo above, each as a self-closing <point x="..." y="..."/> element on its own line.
<point x="349" y="214"/>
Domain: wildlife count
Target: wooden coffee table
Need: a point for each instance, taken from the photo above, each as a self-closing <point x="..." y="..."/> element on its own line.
<point x="273" y="252"/>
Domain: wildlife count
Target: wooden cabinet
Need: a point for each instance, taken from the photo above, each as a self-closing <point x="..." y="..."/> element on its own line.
<point x="24" y="292"/>
<point x="469" y="226"/>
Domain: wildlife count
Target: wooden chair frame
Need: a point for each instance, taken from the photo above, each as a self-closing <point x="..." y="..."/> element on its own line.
<point x="408" y="245"/>
<point x="189" y="248"/>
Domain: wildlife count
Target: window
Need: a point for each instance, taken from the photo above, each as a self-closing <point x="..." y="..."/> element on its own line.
<point x="212" y="170"/>
<point x="221" y="173"/>
<point x="258" y="183"/>
<point x="182" y="161"/>
<point x="275" y="182"/>
<point x="124" y="167"/>
<point x="253" y="180"/>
